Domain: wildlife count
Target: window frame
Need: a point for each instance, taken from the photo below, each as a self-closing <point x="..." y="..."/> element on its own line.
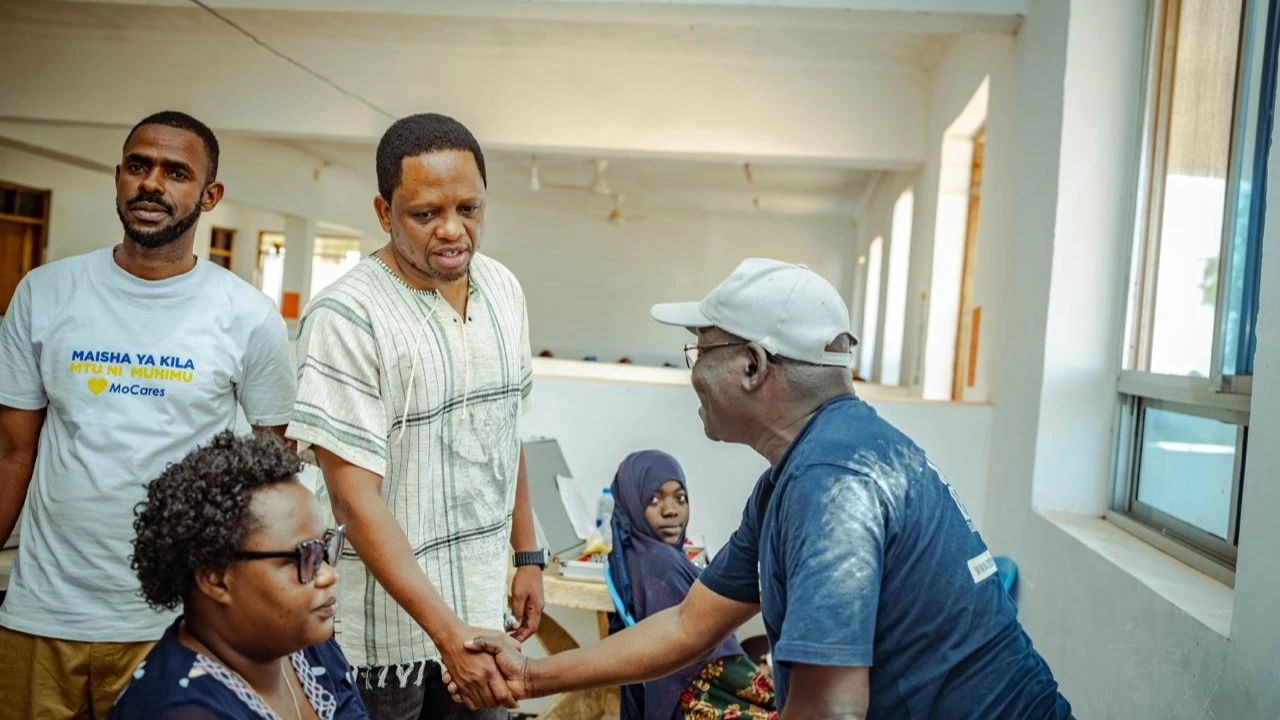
<point x="1166" y="394"/>
<point x="1222" y="396"/>
<point x="1250" y="135"/>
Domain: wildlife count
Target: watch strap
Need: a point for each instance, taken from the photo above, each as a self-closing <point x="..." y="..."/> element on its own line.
<point x="535" y="557"/>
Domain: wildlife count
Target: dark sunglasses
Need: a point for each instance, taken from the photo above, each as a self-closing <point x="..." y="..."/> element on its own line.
<point x="309" y="554"/>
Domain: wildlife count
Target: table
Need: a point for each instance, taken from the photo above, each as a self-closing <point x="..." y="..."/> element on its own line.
<point x="576" y="595"/>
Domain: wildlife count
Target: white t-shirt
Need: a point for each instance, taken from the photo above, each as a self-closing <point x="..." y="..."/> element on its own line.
<point x="134" y="374"/>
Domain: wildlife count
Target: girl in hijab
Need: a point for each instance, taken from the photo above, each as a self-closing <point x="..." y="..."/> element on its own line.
<point x="651" y="573"/>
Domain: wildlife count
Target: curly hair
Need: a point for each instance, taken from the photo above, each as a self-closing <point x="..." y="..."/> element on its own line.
<point x="196" y="514"/>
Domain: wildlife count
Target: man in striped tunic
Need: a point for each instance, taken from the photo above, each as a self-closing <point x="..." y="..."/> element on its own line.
<point x="413" y="370"/>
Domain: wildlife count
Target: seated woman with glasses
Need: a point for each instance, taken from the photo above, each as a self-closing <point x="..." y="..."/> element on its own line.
<point x="231" y="535"/>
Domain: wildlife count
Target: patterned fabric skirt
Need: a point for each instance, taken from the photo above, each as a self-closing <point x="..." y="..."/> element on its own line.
<point x="729" y="688"/>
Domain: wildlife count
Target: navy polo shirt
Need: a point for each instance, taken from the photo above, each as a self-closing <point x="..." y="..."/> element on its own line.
<point x="861" y="555"/>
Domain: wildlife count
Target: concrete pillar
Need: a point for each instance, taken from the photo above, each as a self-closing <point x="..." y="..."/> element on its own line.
<point x="299" y="246"/>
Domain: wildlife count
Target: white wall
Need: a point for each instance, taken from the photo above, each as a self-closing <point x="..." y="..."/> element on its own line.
<point x="254" y="172"/>
<point x="599" y="422"/>
<point x="877" y="221"/>
<point x="1102" y="110"/>
<point x="1053" y="261"/>
<point x="1251" y="683"/>
<point x="82" y="217"/>
<point x="247" y="221"/>
<point x="964" y="62"/>
<point x="590" y="284"/>
<point x="81" y="214"/>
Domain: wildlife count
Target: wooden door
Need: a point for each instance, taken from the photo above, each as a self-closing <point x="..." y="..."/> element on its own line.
<point x="965" y="370"/>
<point x="19" y="252"/>
<point x="24" y="216"/>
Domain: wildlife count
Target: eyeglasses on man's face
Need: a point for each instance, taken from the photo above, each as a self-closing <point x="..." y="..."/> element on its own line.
<point x="308" y="554"/>
<point x="693" y="350"/>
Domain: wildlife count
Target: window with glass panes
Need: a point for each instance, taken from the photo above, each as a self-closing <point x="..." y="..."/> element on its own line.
<point x="1185" y="388"/>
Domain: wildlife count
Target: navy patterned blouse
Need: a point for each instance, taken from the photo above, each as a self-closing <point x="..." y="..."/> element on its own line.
<point x="177" y="683"/>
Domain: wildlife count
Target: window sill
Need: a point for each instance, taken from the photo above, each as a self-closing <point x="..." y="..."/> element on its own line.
<point x="636" y="374"/>
<point x="1203" y="598"/>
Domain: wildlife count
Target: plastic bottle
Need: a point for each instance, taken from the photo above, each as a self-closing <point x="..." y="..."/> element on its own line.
<point x="601" y="540"/>
<point x="604" y="516"/>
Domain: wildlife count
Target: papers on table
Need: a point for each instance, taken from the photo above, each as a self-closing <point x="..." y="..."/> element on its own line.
<point x="583" y="519"/>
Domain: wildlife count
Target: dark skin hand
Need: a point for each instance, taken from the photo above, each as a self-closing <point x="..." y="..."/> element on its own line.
<point x="817" y="692"/>
<point x="19" y="438"/>
<point x="663" y="643"/>
<point x="526" y="587"/>
<point x="655" y="647"/>
<point x="356" y="495"/>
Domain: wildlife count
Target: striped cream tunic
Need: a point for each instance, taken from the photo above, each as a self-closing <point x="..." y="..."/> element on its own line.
<point x="393" y="380"/>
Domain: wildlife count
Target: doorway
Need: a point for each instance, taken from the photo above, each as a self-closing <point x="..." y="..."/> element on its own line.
<point x="965" y="373"/>
<point x="24" y="220"/>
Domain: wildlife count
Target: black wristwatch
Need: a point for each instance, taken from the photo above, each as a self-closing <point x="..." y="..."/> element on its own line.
<point x="536" y="557"/>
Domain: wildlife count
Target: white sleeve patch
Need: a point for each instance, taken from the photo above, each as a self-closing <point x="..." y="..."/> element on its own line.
<point x="982" y="566"/>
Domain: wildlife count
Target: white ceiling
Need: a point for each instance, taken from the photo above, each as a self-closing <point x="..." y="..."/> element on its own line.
<point x="791" y="41"/>
<point x="646" y="183"/>
<point x="819" y="96"/>
<point x="913" y="16"/>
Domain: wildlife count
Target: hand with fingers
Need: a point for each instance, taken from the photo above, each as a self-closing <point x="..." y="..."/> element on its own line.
<point x="505" y="653"/>
<point x="475" y="678"/>
<point x="526" y="601"/>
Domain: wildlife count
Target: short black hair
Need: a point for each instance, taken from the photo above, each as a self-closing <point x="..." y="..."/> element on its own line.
<point x="183" y="121"/>
<point x="196" y="514"/>
<point x="417" y="134"/>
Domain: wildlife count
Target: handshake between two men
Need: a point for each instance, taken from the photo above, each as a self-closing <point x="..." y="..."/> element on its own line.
<point x="656" y="647"/>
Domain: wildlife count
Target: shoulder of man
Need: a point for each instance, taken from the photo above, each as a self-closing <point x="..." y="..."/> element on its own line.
<point x="54" y="274"/>
<point x="242" y="296"/>
<point x="494" y="274"/>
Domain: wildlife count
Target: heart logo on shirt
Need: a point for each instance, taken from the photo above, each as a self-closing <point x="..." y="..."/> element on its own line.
<point x="97" y="385"/>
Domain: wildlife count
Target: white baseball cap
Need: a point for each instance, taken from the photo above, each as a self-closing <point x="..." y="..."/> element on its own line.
<point x="788" y="309"/>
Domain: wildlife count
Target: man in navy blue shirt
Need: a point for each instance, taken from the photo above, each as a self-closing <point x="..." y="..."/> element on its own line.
<point x="879" y="597"/>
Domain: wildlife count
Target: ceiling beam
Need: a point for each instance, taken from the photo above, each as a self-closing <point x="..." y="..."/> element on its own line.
<point x="921" y="16"/>
<point x="580" y="103"/>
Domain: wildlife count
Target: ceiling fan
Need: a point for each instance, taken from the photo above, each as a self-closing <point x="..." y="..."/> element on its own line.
<point x="616" y="216"/>
<point x="597" y="185"/>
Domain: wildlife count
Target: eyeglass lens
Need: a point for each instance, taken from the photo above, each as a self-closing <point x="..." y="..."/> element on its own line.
<point x="311" y="554"/>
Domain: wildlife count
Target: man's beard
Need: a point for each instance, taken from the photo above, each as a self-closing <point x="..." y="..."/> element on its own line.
<point x="159" y="237"/>
<point x="447" y="277"/>
<point x="441" y="276"/>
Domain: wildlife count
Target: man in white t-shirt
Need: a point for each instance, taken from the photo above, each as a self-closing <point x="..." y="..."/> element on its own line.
<point x="116" y="363"/>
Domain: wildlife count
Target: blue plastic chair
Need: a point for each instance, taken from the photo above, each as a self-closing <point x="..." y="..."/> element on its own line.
<point x="1007" y="571"/>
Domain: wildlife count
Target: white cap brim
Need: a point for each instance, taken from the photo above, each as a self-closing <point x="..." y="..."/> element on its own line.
<point x="685" y="314"/>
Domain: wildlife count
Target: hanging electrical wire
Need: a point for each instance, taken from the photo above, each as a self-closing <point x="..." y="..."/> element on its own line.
<point x="291" y="61"/>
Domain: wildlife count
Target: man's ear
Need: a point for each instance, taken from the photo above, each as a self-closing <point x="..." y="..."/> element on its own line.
<point x="382" y="209"/>
<point x="215" y="584"/>
<point x="756" y="367"/>
<point x="211" y="196"/>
